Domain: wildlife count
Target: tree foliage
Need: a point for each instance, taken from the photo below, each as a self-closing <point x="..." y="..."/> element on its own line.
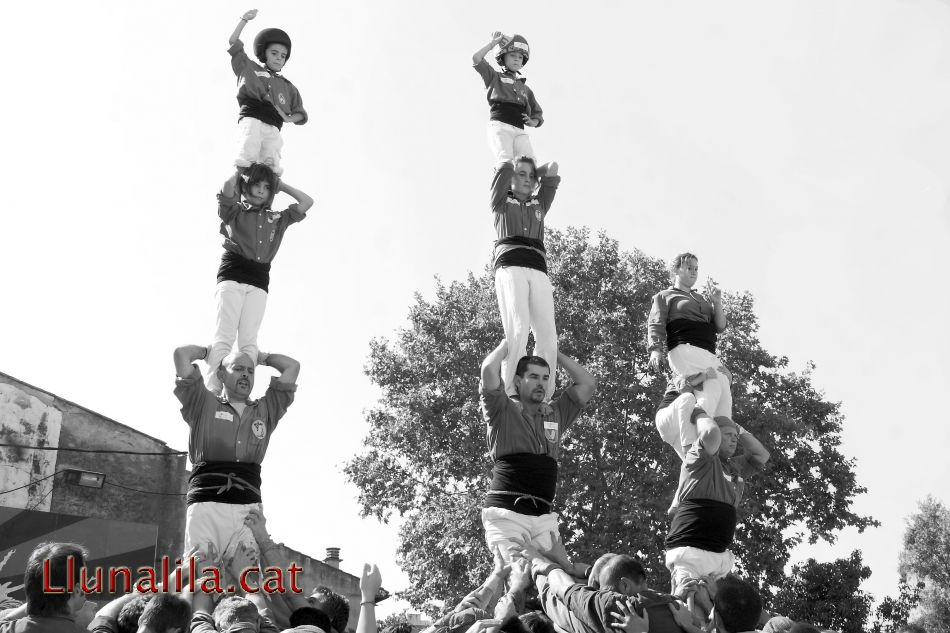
<point x="827" y="595"/>
<point x="925" y="558"/>
<point x="425" y="457"/>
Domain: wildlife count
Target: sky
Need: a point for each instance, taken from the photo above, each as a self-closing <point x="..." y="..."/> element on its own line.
<point x="801" y="148"/>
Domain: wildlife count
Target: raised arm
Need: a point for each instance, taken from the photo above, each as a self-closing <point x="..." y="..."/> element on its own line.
<point x="479" y="55"/>
<point x="185" y="356"/>
<point x="656" y="332"/>
<point x="304" y="202"/>
<point x="236" y="34"/>
<point x="547" y="170"/>
<point x="230" y="188"/>
<point x="512" y="603"/>
<point x="754" y="451"/>
<point x="287" y="366"/>
<point x="491" y="367"/>
<point x="719" y="312"/>
<point x="370" y="582"/>
<point x="584" y="382"/>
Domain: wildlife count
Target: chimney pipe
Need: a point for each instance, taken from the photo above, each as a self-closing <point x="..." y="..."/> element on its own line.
<point x="333" y="557"/>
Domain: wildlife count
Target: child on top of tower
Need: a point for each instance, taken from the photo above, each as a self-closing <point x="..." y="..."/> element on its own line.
<point x="267" y="99"/>
<point x="513" y="105"/>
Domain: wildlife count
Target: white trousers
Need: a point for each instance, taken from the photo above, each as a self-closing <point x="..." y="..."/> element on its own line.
<point x="240" y="313"/>
<point x="526" y="301"/>
<point x="508" y="142"/>
<point x="674" y="425"/>
<point x="685" y="563"/>
<point x="258" y="142"/>
<point x="219" y="529"/>
<point x="715" y="396"/>
<point x="507" y="530"/>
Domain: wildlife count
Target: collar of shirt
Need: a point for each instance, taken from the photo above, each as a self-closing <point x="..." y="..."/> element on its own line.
<point x="222" y="399"/>
<point x="247" y="206"/>
<point x="517" y="76"/>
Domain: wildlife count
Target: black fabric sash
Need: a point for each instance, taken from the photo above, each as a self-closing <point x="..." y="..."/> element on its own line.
<point x="518" y="477"/>
<point x="261" y="110"/>
<point x="704" y="523"/>
<point x="697" y="333"/>
<point x="509" y="113"/>
<point x="235" y="267"/>
<point x="225" y="482"/>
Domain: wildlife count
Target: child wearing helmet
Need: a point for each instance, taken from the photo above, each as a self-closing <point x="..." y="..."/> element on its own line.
<point x="513" y="105"/>
<point x="267" y="99"/>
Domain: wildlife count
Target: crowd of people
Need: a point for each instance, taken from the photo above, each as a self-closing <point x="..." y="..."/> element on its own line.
<point x="535" y="585"/>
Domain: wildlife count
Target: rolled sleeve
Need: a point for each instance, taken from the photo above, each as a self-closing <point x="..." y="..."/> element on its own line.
<point x="500" y="186"/>
<point x="296" y="106"/>
<point x="656" y="323"/>
<point x="534" y="108"/>
<point x="569" y="407"/>
<point x="494" y="402"/>
<point x="486" y="72"/>
<point x="239" y="58"/>
<point x="228" y="206"/>
<point x="294" y="214"/>
<point x="277" y="399"/>
<point x="192" y="395"/>
<point x="549" y="185"/>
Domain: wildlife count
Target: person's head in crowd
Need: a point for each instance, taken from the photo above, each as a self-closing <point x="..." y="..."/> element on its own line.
<point x="537" y="622"/>
<point x="235" y="614"/>
<point x="804" y="627"/>
<point x="593" y="579"/>
<point x="513" y="625"/>
<point x="310" y="616"/>
<point x="165" y="613"/>
<point x="737" y="605"/>
<point x="335" y="606"/>
<point x="730" y="436"/>
<point x="623" y="574"/>
<point x="62" y="565"/>
<point x="401" y="627"/>
<point x="128" y="618"/>
<point x="532" y="375"/>
<point x="778" y="624"/>
<point x="912" y="628"/>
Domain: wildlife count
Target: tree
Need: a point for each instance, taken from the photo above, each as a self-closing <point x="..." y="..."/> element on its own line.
<point x="827" y="595"/>
<point x="425" y="455"/>
<point x="925" y="558"/>
<point x="893" y="613"/>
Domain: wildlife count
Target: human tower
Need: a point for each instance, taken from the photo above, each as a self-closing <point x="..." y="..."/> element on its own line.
<point x="525" y="423"/>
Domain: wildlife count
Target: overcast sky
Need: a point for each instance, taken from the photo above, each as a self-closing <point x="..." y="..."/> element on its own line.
<point x="802" y="149"/>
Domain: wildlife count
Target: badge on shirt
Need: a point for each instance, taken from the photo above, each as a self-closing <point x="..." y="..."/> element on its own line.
<point x="224" y="415"/>
<point x="259" y="429"/>
<point x="262" y="73"/>
<point x="280" y="97"/>
<point x="550" y="431"/>
<point x="537" y="214"/>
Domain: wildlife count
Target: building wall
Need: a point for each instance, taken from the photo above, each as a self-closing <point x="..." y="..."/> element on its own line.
<point x="31" y="416"/>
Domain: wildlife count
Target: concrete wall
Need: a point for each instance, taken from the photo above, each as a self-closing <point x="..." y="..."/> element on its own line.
<point x="31" y="416"/>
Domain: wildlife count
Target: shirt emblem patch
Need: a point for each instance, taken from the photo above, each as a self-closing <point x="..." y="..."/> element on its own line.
<point x="262" y="73"/>
<point x="259" y="429"/>
<point x="537" y="213"/>
<point x="507" y="80"/>
<point x="280" y="97"/>
<point x="224" y="415"/>
<point x="550" y="431"/>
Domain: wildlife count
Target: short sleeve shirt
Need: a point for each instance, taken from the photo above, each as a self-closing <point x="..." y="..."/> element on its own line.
<point x="218" y="433"/>
<point x="585" y="610"/>
<point x="41" y="624"/>
<point x="511" y="429"/>
<point x="708" y="478"/>
<point x="252" y="232"/>
<point x="257" y="82"/>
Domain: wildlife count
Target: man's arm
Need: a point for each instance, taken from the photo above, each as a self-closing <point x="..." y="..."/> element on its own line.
<point x="512" y="603"/>
<point x="304" y="202"/>
<point x="491" y="367"/>
<point x="185" y="356"/>
<point x="584" y="382"/>
<point x="656" y="331"/>
<point x="547" y="170"/>
<point x="287" y="366"/>
<point x="236" y="34"/>
<point x="708" y="435"/>
<point x="487" y="594"/>
<point x="754" y="451"/>
<point x="501" y="185"/>
<point x="479" y="55"/>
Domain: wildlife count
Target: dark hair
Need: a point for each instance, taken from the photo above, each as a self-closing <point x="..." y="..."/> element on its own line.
<point x="619" y="567"/>
<point x="530" y="161"/>
<point x="337" y="608"/>
<point x="39" y="602"/>
<point x="593" y="576"/>
<point x="679" y="260"/>
<point x="524" y="361"/>
<point x="537" y="622"/>
<point x="234" y="609"/>
<point x="166" y="611"/>
<point x="128" y="619"/>
<point x="512" y="624"/>
<point x="401" y="627"/>
<point x="310" y="615"/>
<point x="257" y="173"/>
<point x="737" y="604"/>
